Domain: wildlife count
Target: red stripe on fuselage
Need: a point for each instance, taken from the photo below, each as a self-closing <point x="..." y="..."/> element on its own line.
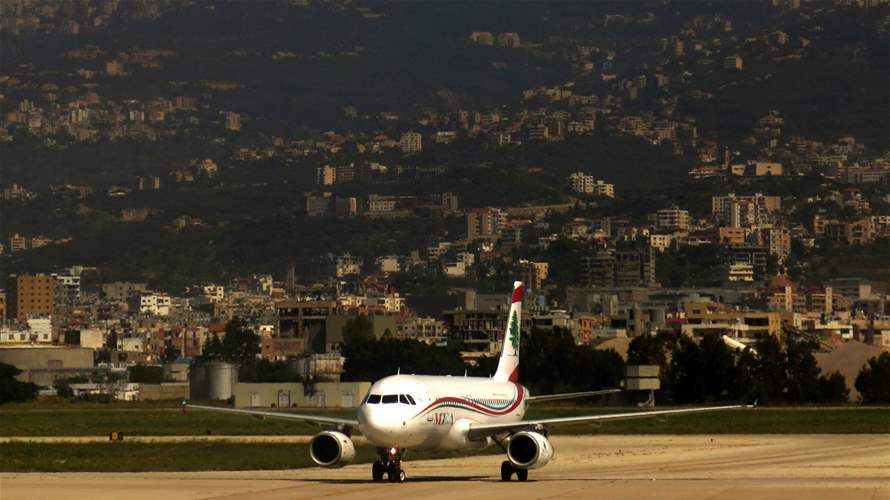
<point x="451" y="399"/>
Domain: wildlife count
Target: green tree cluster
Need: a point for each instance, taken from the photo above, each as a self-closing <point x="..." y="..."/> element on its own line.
<point x="146" y="374"/>
<point x="873" y="381"/>
<point x="241" y="346"/>
<point x="709" y="370"/>
<point x="368" y="358"/>
<point x="11" y="390"/>
<point x="552" y="362"/>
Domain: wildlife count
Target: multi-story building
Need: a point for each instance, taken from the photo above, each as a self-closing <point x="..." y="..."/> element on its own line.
<point x="672" y="219"/>
<point x="743" y="326"/>
<point x="120" y="291"/>
<point x="155" y="304"/>
<point x="858" y="232"/>
<point x="733" y="62"/>
<point x="743" y="211"/>
<point x="485" y="223"/>
<point x="326" y="176"/>
<point x="479" y="330"/>
<point x="411" y="142"/>
<point x="632" y="267"/>
<point x="388" y="264"/>
<point x="30" y="296"/>
<point x="733" y="235"/>
<point x="233" y="121"/>
<point x="533" y="274"/>
<point x="17" y="243"/>
<point x="661" y="242"/>
<point x="347" y="265"/>
<point x="740" y="272"/>
<point x="779" y="242"/>
<point x="586" y="184"/>
<point x="305" y="320"/>
<point x="751" y="255"/>
<point x="428" y="330"/>
<point x="68" y="287"/>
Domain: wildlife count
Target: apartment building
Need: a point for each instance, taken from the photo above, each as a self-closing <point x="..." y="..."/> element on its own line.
<point x="30" y="296"/>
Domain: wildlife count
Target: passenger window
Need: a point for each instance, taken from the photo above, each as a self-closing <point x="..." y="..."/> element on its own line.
<point x="373" y="399"/>
<point x="390" y="398"/>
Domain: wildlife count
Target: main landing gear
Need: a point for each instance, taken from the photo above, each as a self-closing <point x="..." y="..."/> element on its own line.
<point x="507" y="471"/>
<point x="389" y="463"/>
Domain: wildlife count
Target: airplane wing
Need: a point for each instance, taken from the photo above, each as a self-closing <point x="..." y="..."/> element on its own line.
<point x="570" y="395"/>
<point x="311" y="419"/>
<point x="481" y="431"/>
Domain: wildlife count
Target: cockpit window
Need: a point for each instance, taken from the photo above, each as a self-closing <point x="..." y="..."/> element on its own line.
<point x="410" y="399"/>
<point x="374" y="399"/>
<point x="404" y="399"/>
<point x="390" y="398"/>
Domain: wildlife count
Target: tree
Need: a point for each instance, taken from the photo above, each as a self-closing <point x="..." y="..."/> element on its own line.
<point x="265" y="371"/>
<point x="11" y="390"/>
<point x="358" y="330"/>
<point x="774" y="373"/>
<point x="873" y="381"/>
<point x="171" y="352"/>
<point x="704" y="371"/>
<point x="833" y="389"/>
<point x="653" y="350"/>
<point x="551" y="362"/>
<point x="375" y="359"/>
<point x="802" y="372"/>
<point x="240" y="344"/>
<point x="144" y="374"/>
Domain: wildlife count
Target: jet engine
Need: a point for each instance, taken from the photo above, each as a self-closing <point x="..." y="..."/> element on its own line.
<point x="529" y="450"/>
<point x="331" y="449"/>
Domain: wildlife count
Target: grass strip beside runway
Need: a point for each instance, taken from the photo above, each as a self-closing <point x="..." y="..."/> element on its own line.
<point x="175" y="422"/>
<point x="182" y="456"/>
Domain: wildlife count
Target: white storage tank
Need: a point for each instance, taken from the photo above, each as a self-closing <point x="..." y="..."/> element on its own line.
<point x="213" y="381"/>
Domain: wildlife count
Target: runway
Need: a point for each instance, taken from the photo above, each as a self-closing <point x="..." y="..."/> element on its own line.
<point x="613" y="467"/>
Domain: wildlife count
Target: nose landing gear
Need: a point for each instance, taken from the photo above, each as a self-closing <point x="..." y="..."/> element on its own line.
<point x="389" y="463"/>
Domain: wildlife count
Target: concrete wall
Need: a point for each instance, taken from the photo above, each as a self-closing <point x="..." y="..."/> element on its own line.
<point x="325" y="395"/>
<point x="43" y="365"/>
<point x="177" y="391"/>
<point x="338" y="394"/>
<point x="268" y="395"/>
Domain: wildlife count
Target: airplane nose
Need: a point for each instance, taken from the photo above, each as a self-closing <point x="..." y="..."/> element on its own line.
<point x="380" y="424"/>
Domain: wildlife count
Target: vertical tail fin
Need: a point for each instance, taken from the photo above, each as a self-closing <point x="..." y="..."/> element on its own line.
<point x="508" y="365"/>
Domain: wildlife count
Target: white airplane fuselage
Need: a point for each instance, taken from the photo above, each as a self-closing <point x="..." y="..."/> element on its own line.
<point x="434" y="412"/>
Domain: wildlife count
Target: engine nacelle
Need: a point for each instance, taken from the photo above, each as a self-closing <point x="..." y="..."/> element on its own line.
<point x="529" y="450"/>
<point x="331" y="449"/>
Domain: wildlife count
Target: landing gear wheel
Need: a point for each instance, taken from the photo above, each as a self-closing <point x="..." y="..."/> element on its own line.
<point x="522" y="474"/>
<point x="377" y="471"/>
<point x="395" y="474"/>
<point x="506" y="470"/>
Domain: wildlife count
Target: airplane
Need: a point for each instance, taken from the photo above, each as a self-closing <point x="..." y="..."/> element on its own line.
<point x="422" y="412"/>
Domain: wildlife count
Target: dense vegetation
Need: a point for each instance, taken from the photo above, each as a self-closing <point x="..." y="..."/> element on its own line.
<point x="769" y="372"/>
<point x="12" y="390"/>
<point x="873" y="381"/>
